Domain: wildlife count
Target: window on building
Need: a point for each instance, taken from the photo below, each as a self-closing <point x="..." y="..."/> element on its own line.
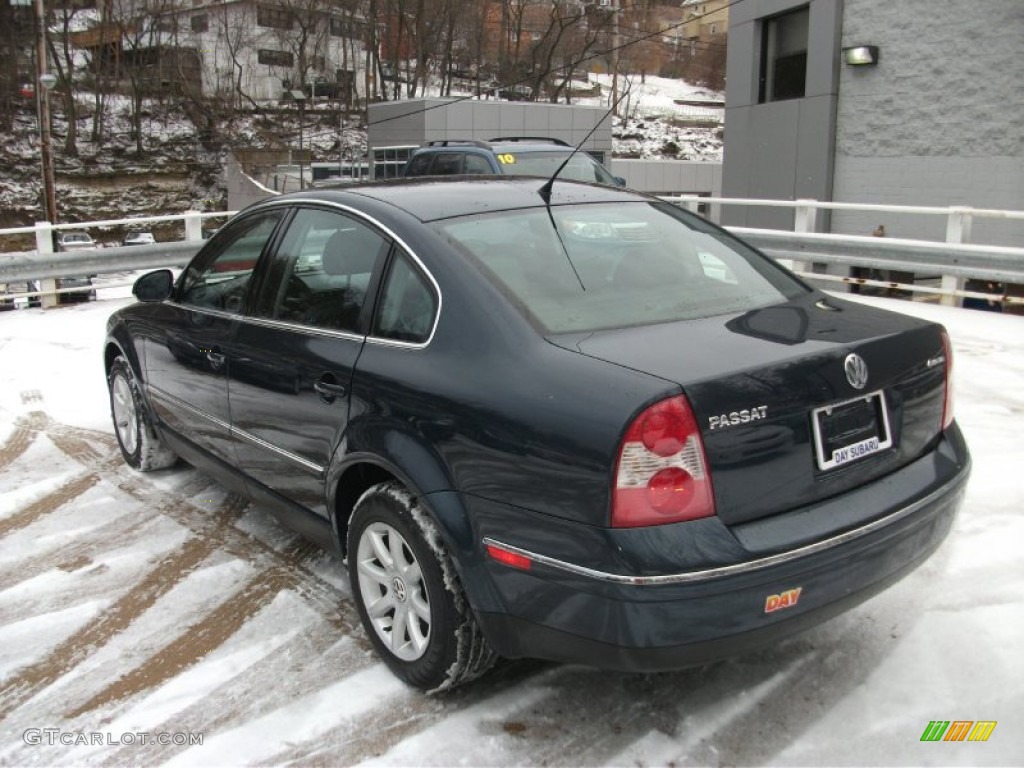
<point x="200" y="23"/>
<point x="277" y="18"/>
<point x="275" y="58"/>
<point x="337" y="27"/>
<point x="784" y="56"/>
<point x="389" y="162"/>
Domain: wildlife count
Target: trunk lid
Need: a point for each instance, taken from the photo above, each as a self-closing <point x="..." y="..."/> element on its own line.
<point x="781" y="422"/>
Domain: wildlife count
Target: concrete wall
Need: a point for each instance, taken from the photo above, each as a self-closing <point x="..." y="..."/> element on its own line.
<point x="420" y="120"/>
<point x="940" y="119"/>
<point x="243" y="190"/>
<point x="780" y="150"/>
<point x="672" y="177"/>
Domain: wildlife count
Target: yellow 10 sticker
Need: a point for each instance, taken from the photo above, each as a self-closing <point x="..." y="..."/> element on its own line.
<point x="507" y="159"/>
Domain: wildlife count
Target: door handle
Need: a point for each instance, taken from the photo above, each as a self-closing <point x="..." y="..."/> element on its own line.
<point x="329" y="390"/>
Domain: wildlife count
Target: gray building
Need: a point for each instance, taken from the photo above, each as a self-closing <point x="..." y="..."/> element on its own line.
<point x="936" y="119"/>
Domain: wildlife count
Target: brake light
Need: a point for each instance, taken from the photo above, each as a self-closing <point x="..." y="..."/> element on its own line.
<point x="662" y="473"/>
<point x="947" y="405"/>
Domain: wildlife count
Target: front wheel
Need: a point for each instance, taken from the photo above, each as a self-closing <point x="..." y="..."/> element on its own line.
<point x="408" y="594"/>
<point x="141" y="446"/>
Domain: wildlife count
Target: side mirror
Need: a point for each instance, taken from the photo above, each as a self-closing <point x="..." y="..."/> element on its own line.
<point x="619" y="181"/>
<point x="154" y="286"/>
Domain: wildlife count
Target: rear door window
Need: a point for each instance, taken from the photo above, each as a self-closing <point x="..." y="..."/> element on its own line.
<point x="408" y="304"/>
<point x="419" y="165"/>
<point x="477" y="164"/>
<point x="323" y="270"/>
<point x="447" y="164"/>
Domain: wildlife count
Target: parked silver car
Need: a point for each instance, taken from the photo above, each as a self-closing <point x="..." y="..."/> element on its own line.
<point x="75" y="240"/>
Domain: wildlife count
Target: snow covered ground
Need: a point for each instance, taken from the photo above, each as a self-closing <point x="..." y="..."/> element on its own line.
<point x="135" y="604"/>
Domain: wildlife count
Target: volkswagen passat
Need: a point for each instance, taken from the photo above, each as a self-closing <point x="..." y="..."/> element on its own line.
<point x="595" y="429"/>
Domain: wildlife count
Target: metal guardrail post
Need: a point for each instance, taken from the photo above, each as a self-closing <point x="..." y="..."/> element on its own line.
<point x="193" y="225"/>
<point x="805" y="219"/>
<point x="958" y="231"/>
<point x="44" y="246"/>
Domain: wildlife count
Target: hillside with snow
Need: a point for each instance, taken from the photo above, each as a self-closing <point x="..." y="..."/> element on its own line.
<point x="175" y="171"/>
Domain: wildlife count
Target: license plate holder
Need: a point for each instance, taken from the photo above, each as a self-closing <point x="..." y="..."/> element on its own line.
<point x="850" y="430"/>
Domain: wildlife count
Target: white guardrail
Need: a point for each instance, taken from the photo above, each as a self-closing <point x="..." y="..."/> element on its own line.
<point x="954" y="260"/>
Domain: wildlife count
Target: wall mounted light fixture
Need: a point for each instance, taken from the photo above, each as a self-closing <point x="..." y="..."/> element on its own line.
<point x="861" y="55"/>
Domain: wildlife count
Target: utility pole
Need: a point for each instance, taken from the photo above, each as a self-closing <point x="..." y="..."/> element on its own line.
<point x="615" y="55"/>
<point x="45" y="81"/>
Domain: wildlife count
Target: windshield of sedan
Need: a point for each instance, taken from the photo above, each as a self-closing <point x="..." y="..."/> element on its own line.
<point x="623" y="265"/>
<point x="582" y="167"/>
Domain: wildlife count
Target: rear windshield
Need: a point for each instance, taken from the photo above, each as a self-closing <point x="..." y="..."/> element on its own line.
<point x="622" y="265"/>
<point x="582" y="167"/>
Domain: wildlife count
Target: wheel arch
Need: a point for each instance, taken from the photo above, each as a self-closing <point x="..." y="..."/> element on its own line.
<point x="118" y="343"/>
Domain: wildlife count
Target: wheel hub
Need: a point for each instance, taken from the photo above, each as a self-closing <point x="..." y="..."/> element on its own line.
<point x="392" y="590"/>
<point x="398" y="587"/>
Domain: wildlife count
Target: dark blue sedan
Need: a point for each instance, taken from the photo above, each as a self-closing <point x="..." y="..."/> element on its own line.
<point x="592" y="428"/>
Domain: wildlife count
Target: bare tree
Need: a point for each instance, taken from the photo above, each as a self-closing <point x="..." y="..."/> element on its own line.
<point x="63" y="56"/>
<point x="15" y="57"/>
<point x="562" y="46"/>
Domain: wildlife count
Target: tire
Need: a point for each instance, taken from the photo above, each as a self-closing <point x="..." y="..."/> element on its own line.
<point x="398" y="568"/>
<point x="140" y="444"/>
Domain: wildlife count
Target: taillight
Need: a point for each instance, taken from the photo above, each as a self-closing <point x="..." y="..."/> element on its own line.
<point x="947" y="405"/>
<point x="662" y="474"/>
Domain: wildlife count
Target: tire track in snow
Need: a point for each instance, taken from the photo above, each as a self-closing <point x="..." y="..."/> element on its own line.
<point x="390" y="721"/>
<point x="279" y="569"/>
<point x="47" y="504"/>
<point x="313" y="659"/>
<point x="79" y="553"/>
<point x="164" y="576"/>
<point x="194" y="643"/>
<point x="25" y="431"/>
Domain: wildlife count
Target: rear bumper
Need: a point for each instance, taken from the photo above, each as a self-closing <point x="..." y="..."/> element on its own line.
<point x="560" y="611"/>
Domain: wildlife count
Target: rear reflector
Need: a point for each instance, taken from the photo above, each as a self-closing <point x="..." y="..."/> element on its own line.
<point x="513" y="559"/>
<point x="947" y="405"/>
<point x="662" y="475"/>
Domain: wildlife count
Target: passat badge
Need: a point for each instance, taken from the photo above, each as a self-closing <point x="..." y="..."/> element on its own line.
<point x="782" y="600"/>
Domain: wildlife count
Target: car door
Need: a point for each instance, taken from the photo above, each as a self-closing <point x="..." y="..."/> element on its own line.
<point x="188" y="345"/>
<point x="294" y="358"/>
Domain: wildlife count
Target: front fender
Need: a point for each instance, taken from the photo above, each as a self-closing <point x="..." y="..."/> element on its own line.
<point x="119" y="342"/>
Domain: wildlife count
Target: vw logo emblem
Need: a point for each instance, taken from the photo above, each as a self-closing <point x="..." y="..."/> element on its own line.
<point x="398" y="586"/>
<point x="856" y="371"/>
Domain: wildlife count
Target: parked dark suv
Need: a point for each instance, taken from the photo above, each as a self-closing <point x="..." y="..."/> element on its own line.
<point x="515" y="156"/>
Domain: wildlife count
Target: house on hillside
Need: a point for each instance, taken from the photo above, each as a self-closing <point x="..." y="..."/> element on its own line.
<point x="704" y="19"/>
<point x="238" y="50"/>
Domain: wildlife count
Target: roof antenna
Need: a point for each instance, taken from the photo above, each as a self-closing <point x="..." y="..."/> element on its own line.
<point x="545" y="190"/>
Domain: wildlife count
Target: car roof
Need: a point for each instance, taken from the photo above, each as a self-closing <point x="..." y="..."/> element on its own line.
<point x="503" y="144"/>
<point x="431" y="198"/>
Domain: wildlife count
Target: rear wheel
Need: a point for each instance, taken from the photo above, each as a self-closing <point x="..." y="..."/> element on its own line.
<point x="408" y="594"/>
<point x="141" y="446"/>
